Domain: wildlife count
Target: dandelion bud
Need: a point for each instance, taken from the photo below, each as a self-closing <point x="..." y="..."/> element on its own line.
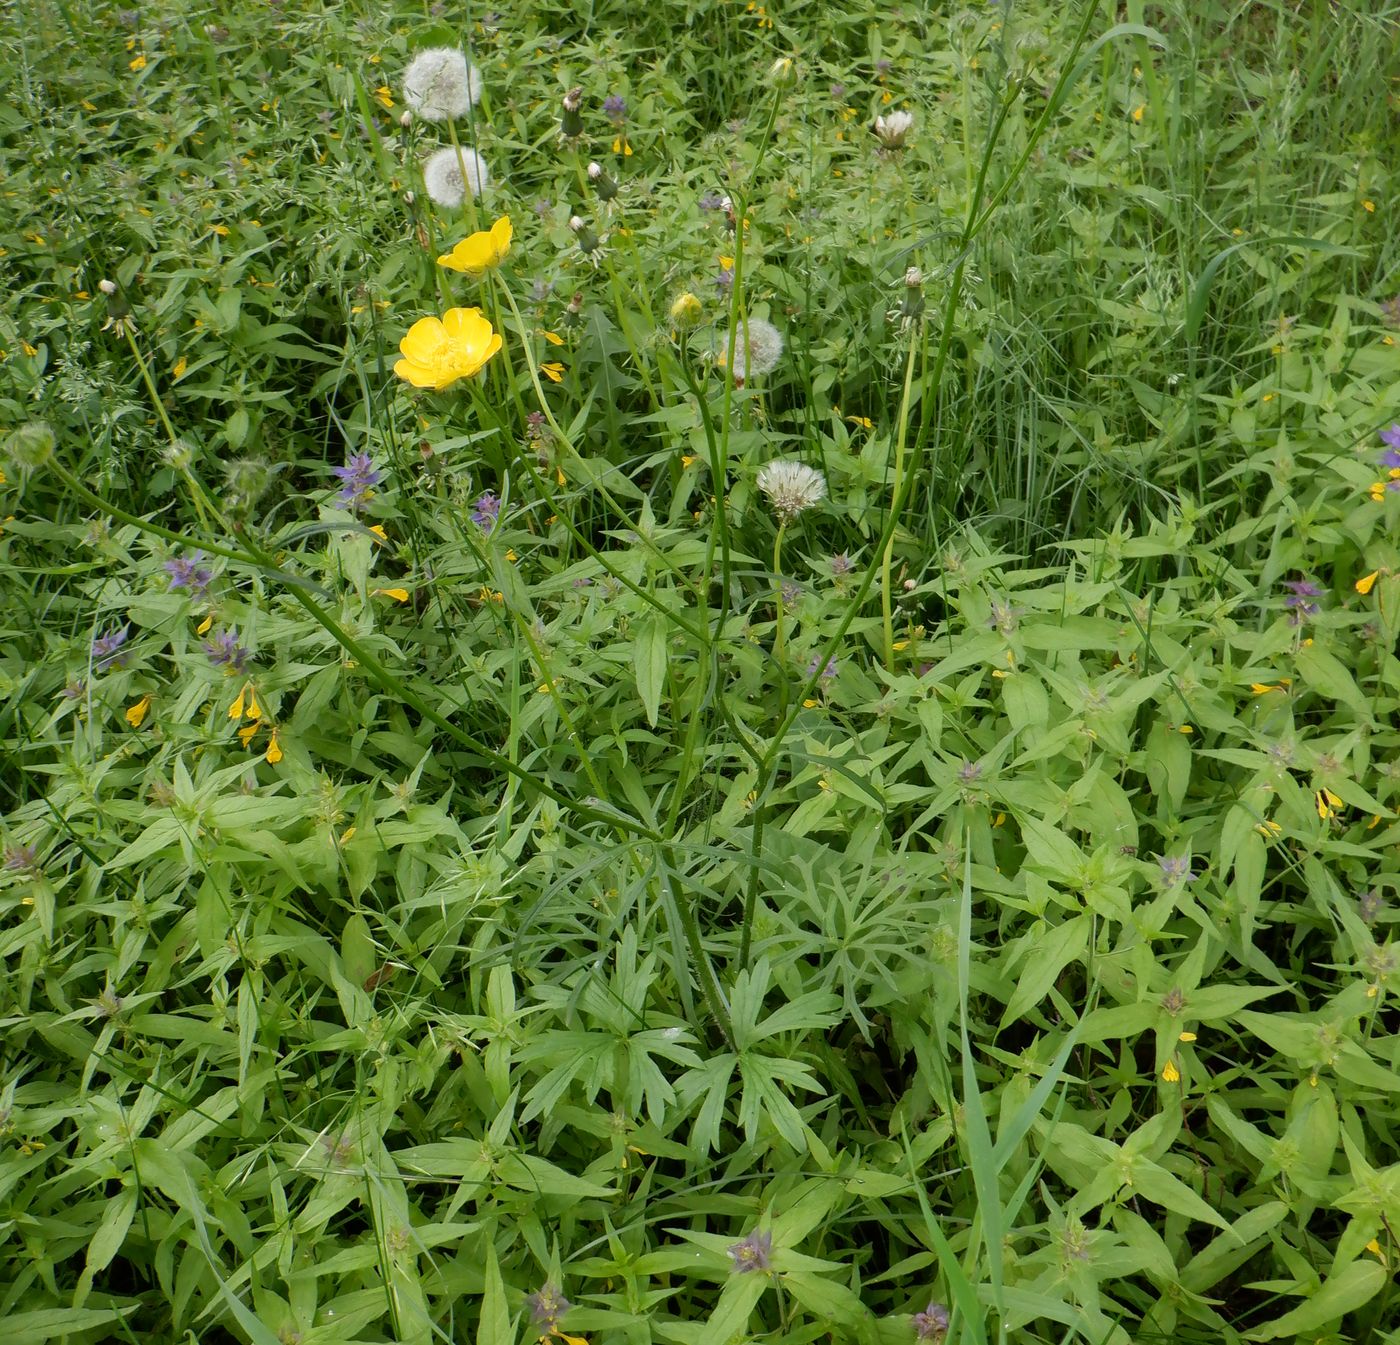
<point x="571" y="124"/>
<point x="607" y="187"/>
<point x="893" y="131"/>
<point x="30" y="445"/>
<point x="910" y="585"/>
<point x="576" y="304"/>
<point x="587" y="240"/>
<point x="409" y="197"/>
<point x="405" y="119"/>
<point x="914" y="278"/>
<point x="107" y="287"/>
<point x="782" y="73"/>
<point x="685" y="311"/>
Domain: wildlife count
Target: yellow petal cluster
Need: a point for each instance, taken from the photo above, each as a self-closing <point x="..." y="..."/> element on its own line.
<point x="439" y="351"/>
<point x="486" y="248"/>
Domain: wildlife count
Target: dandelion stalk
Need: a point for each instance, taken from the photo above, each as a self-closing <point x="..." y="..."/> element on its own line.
<point x="901" y="437"/>
<point x="778" y="580"/>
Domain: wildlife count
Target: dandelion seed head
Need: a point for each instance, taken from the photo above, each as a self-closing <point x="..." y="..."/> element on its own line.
<point x="761" y="347"/>
<point x="444" y="180"/>
<point x="791" y="487"/>
<point x="440" y="84"/>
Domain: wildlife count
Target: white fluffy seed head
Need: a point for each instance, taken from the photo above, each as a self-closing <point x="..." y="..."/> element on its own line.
<point x="440" y="84"/>
<point x="443" y="175"/>
<point x="791" y="487"/>
<point x="760" y="346"/>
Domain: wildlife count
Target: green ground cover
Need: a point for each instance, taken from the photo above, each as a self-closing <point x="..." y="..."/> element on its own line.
<point x="522" y="825"/>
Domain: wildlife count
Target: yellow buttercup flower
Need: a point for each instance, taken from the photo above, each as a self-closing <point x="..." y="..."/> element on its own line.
<point x="486" y="248"/>
<point x="439" y="351"/>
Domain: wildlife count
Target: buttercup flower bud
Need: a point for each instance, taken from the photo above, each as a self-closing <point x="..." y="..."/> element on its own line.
<point x="685" y="311"/>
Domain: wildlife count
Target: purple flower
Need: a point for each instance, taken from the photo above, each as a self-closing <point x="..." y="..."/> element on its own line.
<point x="970" y="771"/>
<point x="22" y="859"/>
<point x="358" y="479"/>
<point x="187" y="573"/>
<point x="225" y="652"/>
<point x="74" y="691"/>
<point x="543" y="206"/>
<point x="789" y="591"/>
<point x="615" y="107"/>
<point x="547" y="1305"/>
<point x="1300" y="600"/>
<point x="1176" y="869"/>
<point x="1391" y="458"/>
<point x="711" y="200"/>
<point x="1391" y="437"/>
<point x="724" y="281"/>
<point x="882" y="66"/>
<point x="932" y="1322"/>
<point x="1369" y="904"/>
<point x="485" y="512"/>
<point x="838" y="92"/>
<point x="105" y="648"/>
<point x="840" y="565"/>
<point x="827" y="672"/>
<point x="753" y="1253"/>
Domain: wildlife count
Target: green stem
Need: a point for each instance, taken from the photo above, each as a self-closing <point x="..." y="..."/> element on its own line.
<point x="901" y="437"/>
<point x="778" y="596"/>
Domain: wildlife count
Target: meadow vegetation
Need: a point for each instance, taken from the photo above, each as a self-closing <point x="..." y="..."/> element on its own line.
<point x="700" y="672"/>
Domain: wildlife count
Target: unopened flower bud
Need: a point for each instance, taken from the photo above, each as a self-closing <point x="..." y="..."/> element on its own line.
<point x="30" y="445"/>
<point x="598" y="176"/>
<point x="405" y="119"/>
<point x="107" y="287"/>
<point x="893" y="131"/>
<point x="409" y="197"/>
<point x="571" y="124"/>
<point x="914" y="278"/>
<point x="587" y="239"/>
<point x="685" y="311"/>
<point x="782" y="72"/>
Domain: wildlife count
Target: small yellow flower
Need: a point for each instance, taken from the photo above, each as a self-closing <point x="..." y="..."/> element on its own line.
<point x="1170" y="1073"/>
<point x="726" y="263"/>
<point x="1367" y="582"/>
<point x="1327" y="803"/>
<point x="1138" y="111"/>
<point x="1186" y="1036"/>
<point x="247" y="733"/>
<point x="863" y="421"/>
<point x="1268" y="829"/>
<point x="274" y="749"/>
<point x="204" y="625"/>
<point x="235" y="711"/>
<point x="135" y="714"/>
<point x="511" y="556"/>
<point x="439" y="351"/>
<point x="397" y="594"/>
<point x="810" y="703"/>
<point x="1377" y="491"/>
<point x="553" y="338"/>
<point x="221" y="230"/>
<point x="1369" y="207"/>
<point x="386" y="98"/>
<point x="253" y="710"/>
<point x="29" y="350"/>
<point x="476" y="255"/>
<point x="137" y="63"/>
<point x="178" y="372"/>
<point x="1263" y="688"/>
<point x="553" y="372"/>
<point x="687" y="461"/>
<point x="378" y="531"/>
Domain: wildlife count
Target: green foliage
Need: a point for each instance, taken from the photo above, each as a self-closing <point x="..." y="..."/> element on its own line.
<point x="636" y="913"/>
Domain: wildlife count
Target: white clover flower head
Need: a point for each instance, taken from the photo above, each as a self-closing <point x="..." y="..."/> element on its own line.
<point x="893" y="130"/>
<point x="761" y="347"/>
<point x="440" y="84"/>
<point x="791" y="487"/>
<point x="443" y="175"/>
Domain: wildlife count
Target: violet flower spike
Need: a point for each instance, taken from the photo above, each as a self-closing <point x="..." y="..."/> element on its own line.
<point x="754" y="1252"/>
